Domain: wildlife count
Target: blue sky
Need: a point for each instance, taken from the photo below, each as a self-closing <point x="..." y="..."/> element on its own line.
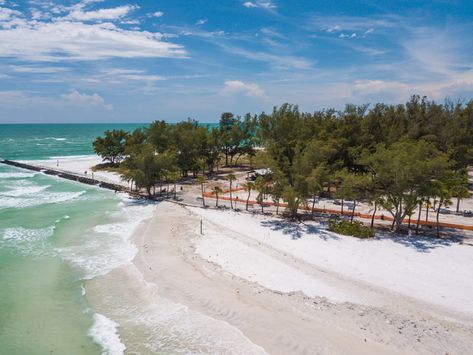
<point x="125" y="61"/>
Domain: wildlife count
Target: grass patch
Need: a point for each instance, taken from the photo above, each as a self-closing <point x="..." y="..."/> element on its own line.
<point x="113" y="168"/>
<point x="355" y="228"/>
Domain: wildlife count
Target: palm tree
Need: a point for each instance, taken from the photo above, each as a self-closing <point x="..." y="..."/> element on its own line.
<point x="216" y="190"/>
<point x="201" y="180"/>
<point x="248" y="187"/>
<point x="231" y="178"/>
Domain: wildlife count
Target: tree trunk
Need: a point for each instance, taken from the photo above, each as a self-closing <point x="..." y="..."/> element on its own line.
<point x="399" y="216"/>
<point x="175" y="191"/>
<point x="226" y="158"/>
<point x="202" y="189"/>
<point x="248" y="199"/>
<point x="262" y="206"/>
<point x="374" y="213"/>
<point x="438" y="223"/>
<point x="216" y="202"/>
<point x="458" y="204"/>
<point x="342" y="206"/>
<point x="409" y="222"/>
<point x="353" y="211"/>
<point x="418" y="217"/>
<point x="313" y="206"/>
<point x="427" y="213"/>
<point x="231" y="203"/>
<point x="277" y="206"/>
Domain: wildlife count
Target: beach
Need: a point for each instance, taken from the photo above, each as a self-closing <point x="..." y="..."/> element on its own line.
<point x="237" y="286"/>
<point x="255" y="283"/>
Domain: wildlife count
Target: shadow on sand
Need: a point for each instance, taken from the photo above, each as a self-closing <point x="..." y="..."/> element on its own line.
<point x="426" y="243"/>
<point x="297" y="229"/>
<point x="420" y="243"/>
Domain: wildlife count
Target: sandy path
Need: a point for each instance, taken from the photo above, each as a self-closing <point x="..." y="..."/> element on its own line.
<point x="167" y="271"/>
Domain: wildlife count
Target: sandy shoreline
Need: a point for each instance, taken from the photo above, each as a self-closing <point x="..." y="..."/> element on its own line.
<point x="174" y="296"/>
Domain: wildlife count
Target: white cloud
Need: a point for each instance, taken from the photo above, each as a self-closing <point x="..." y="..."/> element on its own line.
<point x="237" y="86"/>
<point x="36" y="69"/>
<point x="278" y="61"/>
<point x="366" y="87"/>
<point x="345" y="35"/>
<point x="157" y="14"/>
<point x="249" y="4"/>
<point x="143" y="77"/>
<point x="77" y="98"/>
<point x="455" y="84"/>
<point x="268" y="5"/>
<point x="66" y="40"/>
<point x="101" y="14"/>
<point x="7" y="14"/>
<point x="201" y="22"/>
<point x="335" y="28"/>
<point x="439" y="52"/>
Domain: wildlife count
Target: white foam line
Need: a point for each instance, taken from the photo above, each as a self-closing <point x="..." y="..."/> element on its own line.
<point x="104" y="332"/>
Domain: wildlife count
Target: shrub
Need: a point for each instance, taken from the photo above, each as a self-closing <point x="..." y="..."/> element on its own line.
<point x="355" y="228"/>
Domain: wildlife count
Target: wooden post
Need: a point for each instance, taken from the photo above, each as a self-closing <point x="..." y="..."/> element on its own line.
<point x="201" y="227"/>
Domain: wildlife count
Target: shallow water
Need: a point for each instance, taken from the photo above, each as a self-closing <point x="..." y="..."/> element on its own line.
<point x="46" y="228"/>
<point x="55" y="235"/>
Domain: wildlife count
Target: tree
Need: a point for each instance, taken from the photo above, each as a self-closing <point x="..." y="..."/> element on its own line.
<point x="174" y="177"/>
<point x="314" y="187"/>
<point x="248" y="186"/>
<point x="146" y="168"/>
<point x="443" y="190"/>
<point x="216" y="190"/>
<point x="262" y="188"/>
<point x="231" y="178"/>
<point x="353" y="187"/>
<point x="403" y="170"/>
<point x="293" y="200"/>
<point x="459" y="187"/>
<point x="201" y="180"/>
<point x="111" y="147"/>
<point x="276" y="191"/>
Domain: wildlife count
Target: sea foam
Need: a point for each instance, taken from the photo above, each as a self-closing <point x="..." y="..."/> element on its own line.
<point x="27" y="241"/>
<point x="16" y="175"/>
<point x="104" y="332"/>
<point x="38" y="199"/>
<point x="16" y="191"/>
<point x="107" y="246"/>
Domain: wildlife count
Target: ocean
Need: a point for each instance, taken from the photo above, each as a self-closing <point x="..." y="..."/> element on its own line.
<point x="59" y="237"/>
<point x="52" y="241"/>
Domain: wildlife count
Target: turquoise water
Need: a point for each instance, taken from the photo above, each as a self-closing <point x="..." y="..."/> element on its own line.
<point x="51" y="240"/>
<point x="41" y="141"/>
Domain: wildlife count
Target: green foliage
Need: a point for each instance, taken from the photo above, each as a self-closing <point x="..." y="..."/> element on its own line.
<point x="111" y="147"/>
<point x="393" y="156"/>
<point x="355" y="228"/>
<point x="405" y="172"/>
<point x="237" y="136"/>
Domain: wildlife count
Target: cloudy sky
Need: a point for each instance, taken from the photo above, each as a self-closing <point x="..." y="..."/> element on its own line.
<point x="104" y="61"/>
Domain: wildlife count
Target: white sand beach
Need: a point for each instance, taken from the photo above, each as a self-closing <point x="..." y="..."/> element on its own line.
<point x="258" y="284"/>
